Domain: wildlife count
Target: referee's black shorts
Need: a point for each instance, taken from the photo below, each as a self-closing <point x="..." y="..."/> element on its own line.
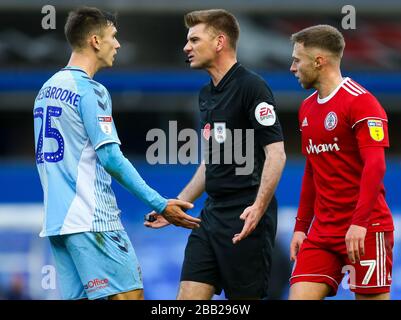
<point x="243" y="269"/>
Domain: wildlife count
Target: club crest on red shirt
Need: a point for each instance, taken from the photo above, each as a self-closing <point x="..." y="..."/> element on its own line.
<point x="331" y="121"/>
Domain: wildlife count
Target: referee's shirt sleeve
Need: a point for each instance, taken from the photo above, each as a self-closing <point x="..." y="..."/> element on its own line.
<point x="96" y="112"/>
<point x="261" y="110"/>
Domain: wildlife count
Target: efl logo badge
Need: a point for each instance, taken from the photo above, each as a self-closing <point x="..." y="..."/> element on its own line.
<point x="220" y="131"/>
<point x="331" y="121"/>
<point x="105" y="123"/>
<point x="376" y="130"/>
<point x="264" y="114"/>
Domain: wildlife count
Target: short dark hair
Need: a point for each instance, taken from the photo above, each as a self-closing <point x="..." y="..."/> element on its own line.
<point x="321" y="36"/>
<point x="218" y="19"/>
<point x="82" y="21"/>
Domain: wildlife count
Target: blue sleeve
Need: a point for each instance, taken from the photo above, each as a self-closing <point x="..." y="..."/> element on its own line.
<point x="96" y="111"/>
<point x="123" y="171"/>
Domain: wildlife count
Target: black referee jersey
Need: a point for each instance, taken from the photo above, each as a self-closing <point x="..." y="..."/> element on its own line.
<point x="242" y="100"/>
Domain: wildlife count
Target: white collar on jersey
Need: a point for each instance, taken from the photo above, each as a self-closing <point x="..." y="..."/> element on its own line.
<point x="333" y="93"/>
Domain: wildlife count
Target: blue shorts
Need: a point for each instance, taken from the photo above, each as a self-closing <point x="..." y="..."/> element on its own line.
<point x="95" y="265"/>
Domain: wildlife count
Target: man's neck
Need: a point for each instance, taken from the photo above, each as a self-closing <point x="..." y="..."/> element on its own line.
<point x="328" y="83"/>
<point x="85" y="62"/>
<point x="220" y="68"/>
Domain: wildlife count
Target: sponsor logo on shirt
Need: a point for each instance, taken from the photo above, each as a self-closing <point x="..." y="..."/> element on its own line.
<point x="376" y="130"/>
<point x="105" y="123"/>
<point x="316" y="149"/>
<point x="96" y="284"/>
<point x="305" y="122"/>
<point x="264" y="114"/>
<point x="330" y="122"/>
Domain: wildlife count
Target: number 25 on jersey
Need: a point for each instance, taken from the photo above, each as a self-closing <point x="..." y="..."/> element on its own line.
<point x="50" y="132"/>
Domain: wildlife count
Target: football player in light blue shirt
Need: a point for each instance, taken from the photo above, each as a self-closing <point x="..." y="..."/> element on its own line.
<point x="77" y="153"/>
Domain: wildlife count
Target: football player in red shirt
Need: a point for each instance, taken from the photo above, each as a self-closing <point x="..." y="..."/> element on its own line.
<point x="343" y="221"/>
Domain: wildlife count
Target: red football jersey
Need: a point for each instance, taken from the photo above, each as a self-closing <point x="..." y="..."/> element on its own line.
<point x="333" y="129"/>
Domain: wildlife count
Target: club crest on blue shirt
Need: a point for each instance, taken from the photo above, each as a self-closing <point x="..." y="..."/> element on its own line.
<point x="331" y="121"/>
<point x="105" y="123"/>
<point x="219" y="131"/>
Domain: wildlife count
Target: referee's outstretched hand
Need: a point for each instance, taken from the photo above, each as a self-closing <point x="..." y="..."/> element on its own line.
<point x="252" y="216"/>
<point x="174" y="214"/>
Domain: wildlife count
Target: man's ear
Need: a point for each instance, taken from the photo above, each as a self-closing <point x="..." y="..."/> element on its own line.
<point x="94" y="41"/>
<point x="221" y="42"/>
<point x="320" y="61"/>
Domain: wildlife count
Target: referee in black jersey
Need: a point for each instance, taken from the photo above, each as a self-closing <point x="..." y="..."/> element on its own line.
<point x="232" y="249"/>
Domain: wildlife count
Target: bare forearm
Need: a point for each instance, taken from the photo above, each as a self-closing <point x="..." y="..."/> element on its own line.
<point x="194" y="189"/>
<point x="271" y="174"/>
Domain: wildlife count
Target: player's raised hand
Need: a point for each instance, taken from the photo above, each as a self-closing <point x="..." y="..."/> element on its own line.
<point x="174" y="214"/>
<point x="296" y="242"/>
<point x="251" y="216"/>
<point x="155" y="220"/>
<point x="355" y="241"/>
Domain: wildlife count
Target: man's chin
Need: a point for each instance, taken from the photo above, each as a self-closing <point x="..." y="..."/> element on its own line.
<point x="193" y="65"/>
<point x="306" y="86"/>
<point x="109" y="63"/>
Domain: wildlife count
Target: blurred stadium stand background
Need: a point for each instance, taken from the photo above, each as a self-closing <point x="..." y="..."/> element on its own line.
<point x="150" y="86"/>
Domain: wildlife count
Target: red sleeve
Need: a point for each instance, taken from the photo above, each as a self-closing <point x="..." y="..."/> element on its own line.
<point x="368" y="116"/>
<point x="374" y="168"/>
<point x="372" y="133"/>
<point x="307" y="201"/>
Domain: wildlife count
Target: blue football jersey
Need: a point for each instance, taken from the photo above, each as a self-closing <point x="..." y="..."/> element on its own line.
<point x="72" y="118"/>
